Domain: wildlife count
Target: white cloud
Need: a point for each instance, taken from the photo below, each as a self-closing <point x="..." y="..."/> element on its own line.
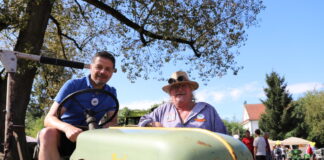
<point x="252" y="89"/>
<point x="209" y="95"/>
<point x="236" y="93"/>
<point x="218" y="96"/>
<point x="304" y="87"/>
<point x="202" y="95"/>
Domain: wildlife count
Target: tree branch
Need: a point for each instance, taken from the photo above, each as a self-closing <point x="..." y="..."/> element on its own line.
<point x="81" y="11"/>
<point x="194" y="50"/>
<point x="149" y="13"/>
<point x="3" y="26"/>
<point x="60" y="33"/>
<point x="116" y="14"/>
<point x="143" y="39"/>
<point x="143" y="25"/>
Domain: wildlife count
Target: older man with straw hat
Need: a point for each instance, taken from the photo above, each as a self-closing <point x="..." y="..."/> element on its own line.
<point x="183" y="110"/>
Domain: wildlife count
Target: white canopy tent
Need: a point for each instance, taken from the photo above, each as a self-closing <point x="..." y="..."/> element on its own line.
<point x="295" y="141"/>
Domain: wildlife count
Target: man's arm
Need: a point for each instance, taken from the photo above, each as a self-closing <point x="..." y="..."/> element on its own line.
<point x="113" y="122"/>
<point x="149" y="120"/>
<point x="51" y="120"/>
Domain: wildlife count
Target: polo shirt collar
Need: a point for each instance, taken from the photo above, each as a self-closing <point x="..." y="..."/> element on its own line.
<point x="196" y="110"/>
<point x="89" y="82"/>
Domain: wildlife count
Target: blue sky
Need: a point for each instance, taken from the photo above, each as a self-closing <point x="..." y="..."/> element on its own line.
<point x="287" y="40"/>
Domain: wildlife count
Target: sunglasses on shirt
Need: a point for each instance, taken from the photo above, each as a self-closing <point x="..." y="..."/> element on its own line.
<point x="179" y="79"/>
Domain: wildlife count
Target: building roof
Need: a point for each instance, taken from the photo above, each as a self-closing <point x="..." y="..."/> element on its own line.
<point x="254" y="111"/>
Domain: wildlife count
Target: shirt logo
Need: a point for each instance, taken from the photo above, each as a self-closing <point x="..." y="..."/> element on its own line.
<point x="94" y="101"/>
<point x="200" y="118"/>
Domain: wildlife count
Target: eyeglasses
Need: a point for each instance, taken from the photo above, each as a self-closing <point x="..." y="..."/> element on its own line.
<point x="179" y="79"/>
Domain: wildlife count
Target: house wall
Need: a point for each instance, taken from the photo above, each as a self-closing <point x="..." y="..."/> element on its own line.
<point x="254" y="126"/>
<point x="251" y="126"/>
<point x="245" y="115"/>
<point x="247" y="126"/>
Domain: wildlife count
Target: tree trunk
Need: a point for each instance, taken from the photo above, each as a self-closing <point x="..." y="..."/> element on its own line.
<point x="30" y="40"/>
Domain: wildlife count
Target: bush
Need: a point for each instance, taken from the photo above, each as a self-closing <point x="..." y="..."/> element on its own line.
<point x="34" y="125"/>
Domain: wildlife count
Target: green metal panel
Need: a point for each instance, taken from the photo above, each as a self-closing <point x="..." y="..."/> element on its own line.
<point x="135" y="143"/>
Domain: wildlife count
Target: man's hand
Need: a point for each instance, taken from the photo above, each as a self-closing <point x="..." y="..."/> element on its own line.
<point x="72" y="132"/>
<point x="154" y="124"/>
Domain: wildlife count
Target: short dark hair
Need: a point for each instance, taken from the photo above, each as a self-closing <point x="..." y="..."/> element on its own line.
<point x="105" y="54"/>
<point x="257" y="131"/>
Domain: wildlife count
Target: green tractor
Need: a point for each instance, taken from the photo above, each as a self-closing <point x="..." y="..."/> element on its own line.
<point x="136" y="143"/>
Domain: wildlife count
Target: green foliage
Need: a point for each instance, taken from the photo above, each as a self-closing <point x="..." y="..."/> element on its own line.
<point x="46" y="84"/>
<point x="145" y="34"/>
<point x="276" y="120"/>
<point x="128" y="113"/>
<point x="215" y="29"/>
<point x="298" y="118"/>
<point x="233" y="127"/>
<point x="283" y="118"/>
<point x="313" y="106"/>
<point x="33" y="124"/>
<point x="78" y="29"/>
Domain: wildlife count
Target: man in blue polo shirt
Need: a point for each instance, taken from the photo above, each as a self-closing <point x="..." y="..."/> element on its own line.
<point x="59" y="136"/>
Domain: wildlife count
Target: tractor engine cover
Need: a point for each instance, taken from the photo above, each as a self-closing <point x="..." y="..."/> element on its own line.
<point x="139" y="143"/>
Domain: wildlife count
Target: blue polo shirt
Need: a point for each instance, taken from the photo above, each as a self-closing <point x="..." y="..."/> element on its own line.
<point x="74" y="113"/>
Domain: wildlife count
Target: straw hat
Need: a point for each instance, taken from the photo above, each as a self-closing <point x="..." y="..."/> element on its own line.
<point x="179" y="77"/>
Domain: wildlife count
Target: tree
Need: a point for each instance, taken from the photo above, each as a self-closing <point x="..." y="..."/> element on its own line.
<point x="30" y="40"/>
<point x="313" y="105"/>
<point x="34" y="125"/>
<point x="125" y="114"/>
<point x="300" y="127"/>
<point x="276" y="119"/>
<point x="233" y="127"/>
<point x="145" y="34"/>
<point x="122" y="114"/>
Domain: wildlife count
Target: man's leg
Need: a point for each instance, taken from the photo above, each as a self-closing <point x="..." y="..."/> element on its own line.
<point x="49" y="142"/>
<point x="259" y="157"/>
<point x="66" y="147"/>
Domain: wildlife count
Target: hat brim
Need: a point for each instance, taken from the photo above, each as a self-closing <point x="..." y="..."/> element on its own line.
<point x="194" y="85"/>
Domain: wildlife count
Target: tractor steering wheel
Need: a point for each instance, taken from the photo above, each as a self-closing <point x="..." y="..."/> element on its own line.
<point x="90" y="114"/>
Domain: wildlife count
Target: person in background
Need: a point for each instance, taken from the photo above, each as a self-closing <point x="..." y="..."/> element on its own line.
<point x="277" y="152"/>
<point x="260" y="146"/>
<point x="58" y="137"/>
<point x="289" y="154"/>
<point x="283" y="152"/>
<point x="309" y="150"/>
<point x="268" y="150"/>
<point x="248" y="141"/>
<point x="183" y="110"/>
